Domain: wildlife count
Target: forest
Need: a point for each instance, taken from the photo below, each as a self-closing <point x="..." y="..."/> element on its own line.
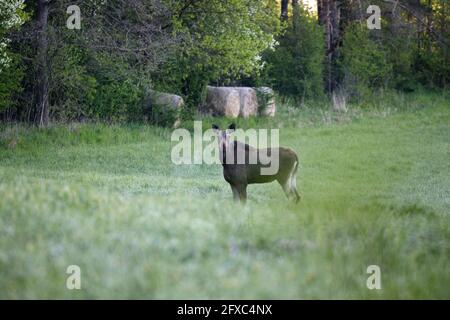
<point x="102" y="68"/>
<point x="93" y="205"/>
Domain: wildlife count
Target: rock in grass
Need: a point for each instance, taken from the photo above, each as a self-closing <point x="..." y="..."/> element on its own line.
<point x="164" y="108"/>
<point x="223" y="101"/>
<point x="240" y="101"/>
<point x="165" y="99"/>
<point x="248" y="101"/>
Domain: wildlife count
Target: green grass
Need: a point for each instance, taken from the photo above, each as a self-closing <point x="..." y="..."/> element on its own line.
<point x="375" y="185"/>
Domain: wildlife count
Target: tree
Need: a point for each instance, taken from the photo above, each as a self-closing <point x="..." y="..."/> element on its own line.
<point x="12" y="16"/>
<point x="363" y="62"/>
<point x="295" y="67"/>
<point x="221" y="41"/>
<point x="42" y="62"/>
<point x="329" y="17"/>
<point x="284" y="10"/>
<point x="125" y="46"/>
<point x="118" y="40"/>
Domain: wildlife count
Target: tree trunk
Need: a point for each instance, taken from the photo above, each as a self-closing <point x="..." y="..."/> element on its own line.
<point x="43" y="112"/>
<point x="295" y="15"/>
<point x="329" y="17"/>
<point x="284" y="10"/>
<point x="430" y="25"/>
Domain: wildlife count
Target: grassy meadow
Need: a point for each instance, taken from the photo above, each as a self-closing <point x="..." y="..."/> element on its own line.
<point x="375" y="186"/>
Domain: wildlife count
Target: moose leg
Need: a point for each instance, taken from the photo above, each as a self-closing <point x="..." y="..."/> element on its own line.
<point x="242" y="193"/>
<point x="286" y="185"/>
<point x="235" y="190"/>
<point x="289" y="183"/>
<point x="289" y="187"/>
<point x="293" y="183"/>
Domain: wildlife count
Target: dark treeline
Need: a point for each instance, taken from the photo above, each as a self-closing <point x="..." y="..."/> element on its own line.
<point x="411" y="49"/>
<point x="104" y="69"/>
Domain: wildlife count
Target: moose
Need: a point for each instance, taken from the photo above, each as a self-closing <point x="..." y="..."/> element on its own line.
<point x="239" y="174"/>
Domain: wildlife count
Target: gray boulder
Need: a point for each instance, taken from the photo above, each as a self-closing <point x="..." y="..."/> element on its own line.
<point x="164" y="107"/>
<point x="248" y="101"/>
<point x="240" y="101"/>
<point x="165" y="99"/>
<point x="223" y="101"/>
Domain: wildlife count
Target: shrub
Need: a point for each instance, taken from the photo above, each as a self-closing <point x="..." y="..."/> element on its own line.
<point x="118" y="101"/>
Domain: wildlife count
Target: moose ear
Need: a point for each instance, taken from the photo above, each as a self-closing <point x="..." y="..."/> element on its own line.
<point x="232" y="127"/>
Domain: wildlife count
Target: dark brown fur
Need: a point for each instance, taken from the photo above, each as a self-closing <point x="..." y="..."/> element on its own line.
<point x="239" y="176"/>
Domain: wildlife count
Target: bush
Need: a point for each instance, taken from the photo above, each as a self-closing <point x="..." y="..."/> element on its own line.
<point x="118" y="101"/>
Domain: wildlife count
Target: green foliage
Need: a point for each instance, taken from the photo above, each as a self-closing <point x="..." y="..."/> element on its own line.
<point x="118" y="102"/>
<point x="364" y="62"/>
<point x="433" y="66"/>
<point x="263" y="97"/>
<point x="121" y="89"/>
<point x="12" y="16"/>
<point x="225" y="37"/>
<point x="87" y="84"/>
<point x="222" y="41"/>
<point x="432" y="63"/>
<point x="295" y="67"/>
<point x="10" y="81"/>
<point x="401" y="53"/>
<point x="163" y="109"/>
<point x="179" y="46"/>
<point x="73" y="87"/>
<point x="164" y="116"/>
